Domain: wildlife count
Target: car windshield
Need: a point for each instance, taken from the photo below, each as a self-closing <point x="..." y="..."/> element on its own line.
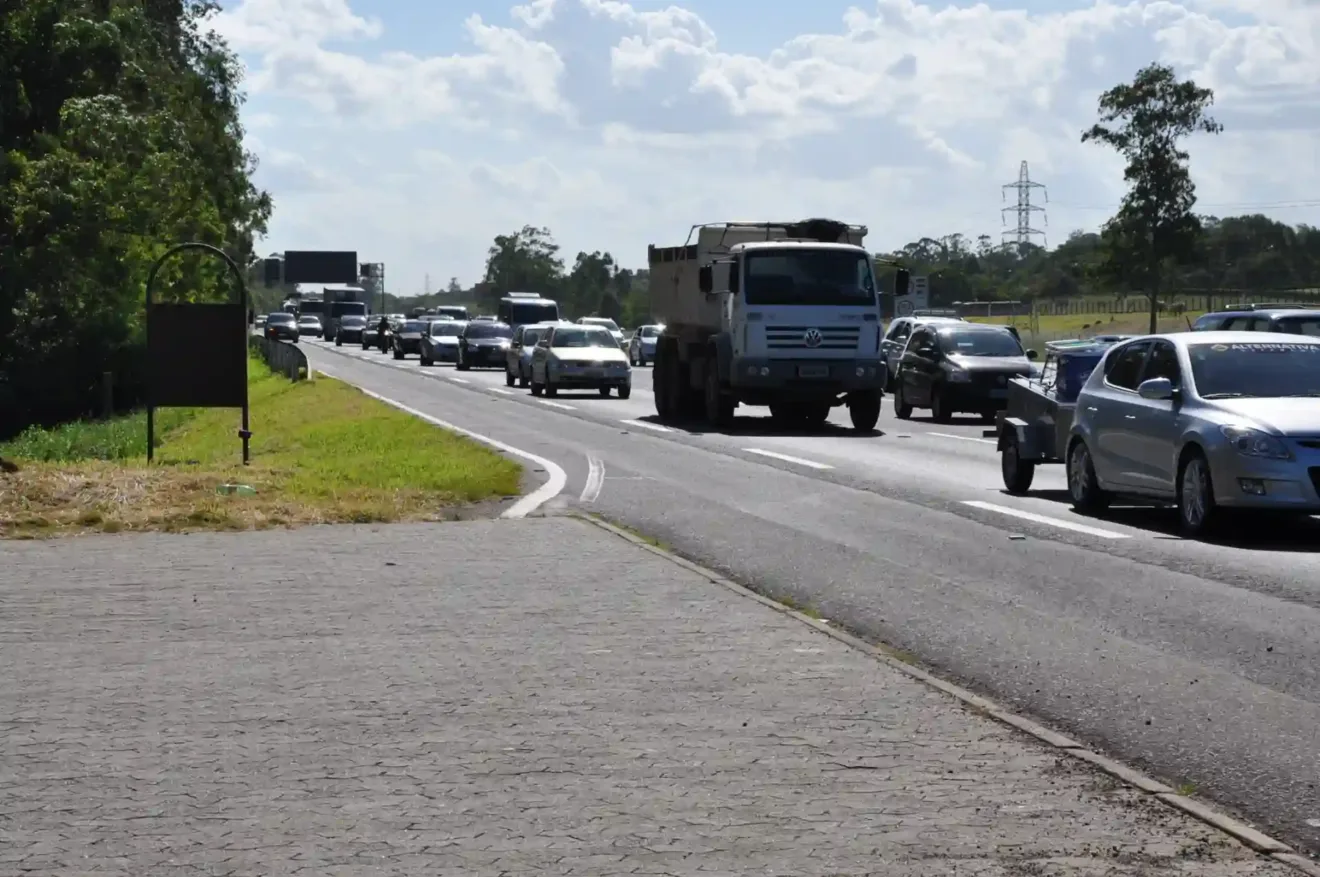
<point x="980" y="344"/>
<point x="531" y="336"/>
<point x="587" y="336"/>
<point x="489" y="330"/>
<point x="280" y="318"/>
<point x="445" y="327"/>
<point x="650" y="331"/>
<point x="414" y="326"/>
<point x="808" y="277"/>
<point x="353" y="320"/>
<point x="1308" y="325"/>
<point x="309" y="319"/>
<point x="1265" y="369"/>
<point x="609" y="325"/>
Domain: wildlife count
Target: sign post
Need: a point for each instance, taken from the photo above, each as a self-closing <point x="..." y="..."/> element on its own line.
<point x="197" y="353"/>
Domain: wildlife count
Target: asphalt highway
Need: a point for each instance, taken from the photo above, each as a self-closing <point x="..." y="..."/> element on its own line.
<point x="1198" y="663"/>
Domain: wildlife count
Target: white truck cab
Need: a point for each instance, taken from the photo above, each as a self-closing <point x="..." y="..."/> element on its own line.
<point x="785" y="315"/>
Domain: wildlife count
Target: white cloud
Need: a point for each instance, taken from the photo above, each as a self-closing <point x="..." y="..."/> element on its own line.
<point x="618" y="126"/>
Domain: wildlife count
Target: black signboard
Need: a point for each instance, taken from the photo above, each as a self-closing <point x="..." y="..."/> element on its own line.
<point x="197" y="355"/>
<point x="321" y="266"/>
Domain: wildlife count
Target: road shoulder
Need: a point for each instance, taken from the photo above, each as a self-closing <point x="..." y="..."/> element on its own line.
<point x="490" y="696"/>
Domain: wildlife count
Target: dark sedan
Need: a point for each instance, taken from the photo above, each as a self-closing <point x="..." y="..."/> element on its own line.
<point x="351" y="327"/>
<point x="484" y="344"/>
<point x="951" y="368"/>
<point x="281" y="327"/>
<point x="407" y="337"/>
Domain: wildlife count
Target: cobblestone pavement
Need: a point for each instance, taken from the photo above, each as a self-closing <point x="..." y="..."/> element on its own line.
<point x="533" y="697"/>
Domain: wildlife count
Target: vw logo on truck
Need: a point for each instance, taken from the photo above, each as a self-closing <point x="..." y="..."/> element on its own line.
<point x="812" y="338"/>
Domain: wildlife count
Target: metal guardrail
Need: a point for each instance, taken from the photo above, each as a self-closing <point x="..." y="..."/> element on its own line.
<point x="287" y="359"/>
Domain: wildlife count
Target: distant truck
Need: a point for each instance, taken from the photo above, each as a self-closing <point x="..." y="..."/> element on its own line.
<point x="525" y="308"/>
<point x="340" y="302"/>
<point x="780" y="314"/>
<point x="452" y="312"/>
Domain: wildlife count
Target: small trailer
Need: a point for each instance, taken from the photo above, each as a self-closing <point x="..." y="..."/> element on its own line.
<point x="1033" y="428"/>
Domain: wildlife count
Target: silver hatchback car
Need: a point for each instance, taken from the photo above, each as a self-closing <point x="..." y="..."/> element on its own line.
<point x="1207" y="420"/>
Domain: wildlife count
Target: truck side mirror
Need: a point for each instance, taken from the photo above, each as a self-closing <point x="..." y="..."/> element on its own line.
<point x="705" y="279"/>
<point x="902" y="281"/>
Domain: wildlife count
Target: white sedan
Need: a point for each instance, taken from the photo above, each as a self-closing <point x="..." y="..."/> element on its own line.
<point x="580" y="357"/>
<point x="607" y="324"/>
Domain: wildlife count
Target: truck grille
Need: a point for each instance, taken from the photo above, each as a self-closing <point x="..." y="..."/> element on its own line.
<point x="795" y="337"/>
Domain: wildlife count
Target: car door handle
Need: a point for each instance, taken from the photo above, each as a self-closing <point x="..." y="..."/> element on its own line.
<point x="1129" y="417"/>
<point x="1092" y="408"/>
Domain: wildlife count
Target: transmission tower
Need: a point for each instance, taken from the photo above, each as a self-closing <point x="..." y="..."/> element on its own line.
<point x="1023" y="232"/>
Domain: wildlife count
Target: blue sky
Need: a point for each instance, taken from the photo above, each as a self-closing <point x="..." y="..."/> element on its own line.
<point x="414" y="132"/>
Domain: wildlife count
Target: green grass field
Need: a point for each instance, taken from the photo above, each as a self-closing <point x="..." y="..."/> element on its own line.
<point x="322" y="452"/>
<point x="1052" y="328"/>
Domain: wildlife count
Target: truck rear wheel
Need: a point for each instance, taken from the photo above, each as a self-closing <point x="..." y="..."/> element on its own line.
<point x="660" y="379"/>
<point x="864" y="411"/>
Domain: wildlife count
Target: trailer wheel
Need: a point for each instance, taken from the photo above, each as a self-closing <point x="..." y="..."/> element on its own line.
<point x="1017" y="473"/>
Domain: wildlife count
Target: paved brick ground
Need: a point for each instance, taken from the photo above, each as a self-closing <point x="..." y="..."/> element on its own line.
<point x="498" y="698"/>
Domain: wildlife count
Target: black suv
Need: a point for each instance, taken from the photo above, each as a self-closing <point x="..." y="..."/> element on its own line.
<point x="951" y="368"/>
<point x="1291" y="319"/>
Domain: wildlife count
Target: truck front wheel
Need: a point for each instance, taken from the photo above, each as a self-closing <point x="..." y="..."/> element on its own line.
<point x="719" y="405"/>
<point x="864" y="411"/>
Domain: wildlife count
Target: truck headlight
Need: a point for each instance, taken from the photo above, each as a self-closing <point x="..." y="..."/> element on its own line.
<point x="1255" y="443"/>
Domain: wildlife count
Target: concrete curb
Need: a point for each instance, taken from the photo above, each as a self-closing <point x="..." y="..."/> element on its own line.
<point x="1239" y="831"/>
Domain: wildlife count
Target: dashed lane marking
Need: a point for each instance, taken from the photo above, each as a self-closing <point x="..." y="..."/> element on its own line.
<point x="810" y="464"/>
<point x="963" y="438"/>
<point x="1047" y="521"/>
<point x="644" y="425"/>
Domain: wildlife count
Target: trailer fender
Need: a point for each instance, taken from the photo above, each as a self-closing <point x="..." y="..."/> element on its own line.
<point x="1028" y="447"/>
<point x="724" y="356"/>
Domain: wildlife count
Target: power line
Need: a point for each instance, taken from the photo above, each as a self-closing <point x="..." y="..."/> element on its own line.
<point x="1023" y="231"/>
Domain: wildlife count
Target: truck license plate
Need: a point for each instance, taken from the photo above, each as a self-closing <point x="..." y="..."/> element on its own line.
<point x="813" y="371"/>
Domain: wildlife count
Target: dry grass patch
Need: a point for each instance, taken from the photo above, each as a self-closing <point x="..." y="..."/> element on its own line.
<point x="321" y="453"/>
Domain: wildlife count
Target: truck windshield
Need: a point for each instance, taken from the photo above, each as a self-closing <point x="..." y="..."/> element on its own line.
<point x="808" y="277"/>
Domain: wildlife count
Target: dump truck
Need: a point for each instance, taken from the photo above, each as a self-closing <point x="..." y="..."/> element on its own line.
<point x="778" y="314"/>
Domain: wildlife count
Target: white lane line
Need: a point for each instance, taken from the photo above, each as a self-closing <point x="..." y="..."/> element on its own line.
<point x="559" y="405"/>
<point x="644" y="425"/>
<point x="502" y="391"/>
<point x="1042" y="519"/>
<point x="460" y="381"/>
<point x="963" y="438"/>
<point x="811" y="464"/>
<point x="554" y="484"/>
<point x="595" y="480"/>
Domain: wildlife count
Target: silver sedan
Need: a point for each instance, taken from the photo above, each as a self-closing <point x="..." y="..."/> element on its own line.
<point x="1211" y="421"/>
<point x="641" y="347"/>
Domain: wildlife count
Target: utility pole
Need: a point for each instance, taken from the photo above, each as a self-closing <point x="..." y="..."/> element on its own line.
<point x="426" y="285"/>
<point x="1023" y="231"/>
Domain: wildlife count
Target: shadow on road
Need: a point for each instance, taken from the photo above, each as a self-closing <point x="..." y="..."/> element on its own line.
<point x="1261" y="532"/>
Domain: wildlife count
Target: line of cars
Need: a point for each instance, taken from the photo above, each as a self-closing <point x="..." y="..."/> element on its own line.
<point x="589" y="354"/>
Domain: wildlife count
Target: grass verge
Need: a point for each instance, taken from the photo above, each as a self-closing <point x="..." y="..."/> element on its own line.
<point x="322" y="452"/>
<point x="1052" y="328"/>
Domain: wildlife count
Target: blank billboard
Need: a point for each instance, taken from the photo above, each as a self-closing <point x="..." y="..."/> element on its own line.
<point x="321" y="266"/>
